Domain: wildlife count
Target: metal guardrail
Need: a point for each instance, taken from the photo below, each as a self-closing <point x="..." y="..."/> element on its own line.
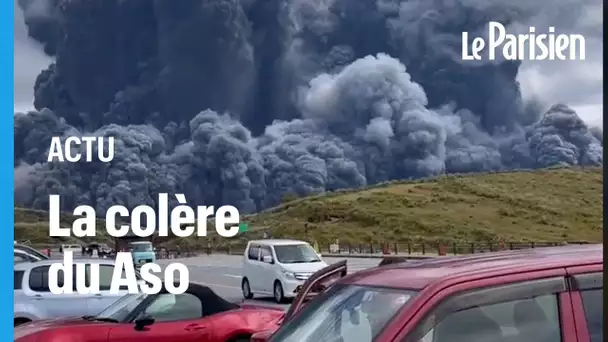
<point x="414" y="249"/>
<point x="419" y="248"/>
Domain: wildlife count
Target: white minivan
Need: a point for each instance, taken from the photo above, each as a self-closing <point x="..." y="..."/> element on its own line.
<point x="76" y="249"/>
<point x="278" y="267"/>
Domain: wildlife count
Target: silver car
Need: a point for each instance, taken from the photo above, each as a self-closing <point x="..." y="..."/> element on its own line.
<point x="25" y="253"/>
<point x="33" y="299"/>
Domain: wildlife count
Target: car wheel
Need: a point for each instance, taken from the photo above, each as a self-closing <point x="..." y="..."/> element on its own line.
<point x="279" y="297"/>
<point x="246" y="289"/>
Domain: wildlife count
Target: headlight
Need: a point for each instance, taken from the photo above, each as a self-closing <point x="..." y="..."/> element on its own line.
<point x="289" y="274"/>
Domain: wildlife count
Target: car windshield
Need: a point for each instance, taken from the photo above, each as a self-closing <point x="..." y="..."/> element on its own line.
<point x="141" y="247"/>
<point x="300" y="253"/>
<point x="120" y="309"/>
<point x="344" y="313"/>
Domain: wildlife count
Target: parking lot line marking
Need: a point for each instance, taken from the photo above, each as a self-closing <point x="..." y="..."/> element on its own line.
<point x="232" y="275"/>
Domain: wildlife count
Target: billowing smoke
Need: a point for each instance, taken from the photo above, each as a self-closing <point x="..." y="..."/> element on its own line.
<point x="243" y="102"/>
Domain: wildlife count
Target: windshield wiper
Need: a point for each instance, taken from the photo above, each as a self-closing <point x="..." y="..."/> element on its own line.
<point x="99" y="319"/>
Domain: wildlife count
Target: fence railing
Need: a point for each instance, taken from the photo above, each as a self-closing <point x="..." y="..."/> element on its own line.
<point x="424" y="248"/>
<point x="418" y="248"/>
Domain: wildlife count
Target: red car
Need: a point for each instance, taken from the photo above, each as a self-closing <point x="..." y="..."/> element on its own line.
<point x="537" y="295"/>
<point x="196" y="315"/>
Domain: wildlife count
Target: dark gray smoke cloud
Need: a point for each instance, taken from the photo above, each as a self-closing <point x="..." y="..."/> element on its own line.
<point x="242" y="102"/>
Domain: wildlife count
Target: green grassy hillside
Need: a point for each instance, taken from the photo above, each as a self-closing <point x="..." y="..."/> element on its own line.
<point x="563" y="204"/>
<point x="33" y="225"/>
<point x="545" y="205"/>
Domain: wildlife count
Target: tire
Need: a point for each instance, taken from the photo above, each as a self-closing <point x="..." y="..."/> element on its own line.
<point x="246" y="289"/>
<point x="278" y="294"/>
<point x="19" y="321"/>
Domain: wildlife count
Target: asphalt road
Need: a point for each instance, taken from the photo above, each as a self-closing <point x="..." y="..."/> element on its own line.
<point x="222" y="273"/>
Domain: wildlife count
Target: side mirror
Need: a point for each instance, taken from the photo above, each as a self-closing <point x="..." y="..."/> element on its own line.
<point x="267" y="259"/>
<point x="142" y="322"/>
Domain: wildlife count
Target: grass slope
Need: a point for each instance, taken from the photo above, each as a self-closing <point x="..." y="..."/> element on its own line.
<point x="551" y="205"/>
<point x="33" y="225"/>
<point x="547" y="205"/>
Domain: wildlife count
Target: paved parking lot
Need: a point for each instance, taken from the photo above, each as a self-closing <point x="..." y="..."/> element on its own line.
<point x="223" y="273"/>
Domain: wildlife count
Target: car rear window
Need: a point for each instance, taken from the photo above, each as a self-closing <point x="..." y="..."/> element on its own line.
<point x="345" y="313"/>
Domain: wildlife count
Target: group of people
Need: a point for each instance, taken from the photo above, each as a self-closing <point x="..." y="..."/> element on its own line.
<point x="89" y="251"/>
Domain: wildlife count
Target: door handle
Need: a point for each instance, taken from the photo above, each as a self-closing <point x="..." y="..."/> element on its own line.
<point x="37" y="297"/>
<point x="98" y="296"/>
<point x="194" y="327"/>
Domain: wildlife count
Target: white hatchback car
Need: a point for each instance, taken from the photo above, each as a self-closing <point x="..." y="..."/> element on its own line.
<point x="278" y="267"/>
<point x="33" y="299"/>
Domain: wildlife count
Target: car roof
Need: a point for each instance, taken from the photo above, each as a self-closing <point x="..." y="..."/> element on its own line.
<point x="24" y="247"/>
<point x="27" y="265"/>
<point x="24" y="251"/>
<point x="276" y="242"/>
<point x="419" y="274"/>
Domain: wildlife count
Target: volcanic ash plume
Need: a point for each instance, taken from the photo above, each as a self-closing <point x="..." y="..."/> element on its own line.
<point x="243" y="102"/>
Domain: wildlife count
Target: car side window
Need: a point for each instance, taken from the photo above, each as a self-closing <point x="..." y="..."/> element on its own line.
<point x="168" y="307"/>
<point x="529" y="318"/>
<point x="18" y="280"/>
<point x="265" y="251"/>
<point x="593" y="301"/>
<point x="39" y="279"/>
<point x="105" y="277"/>
<point x="254" y="251"/>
